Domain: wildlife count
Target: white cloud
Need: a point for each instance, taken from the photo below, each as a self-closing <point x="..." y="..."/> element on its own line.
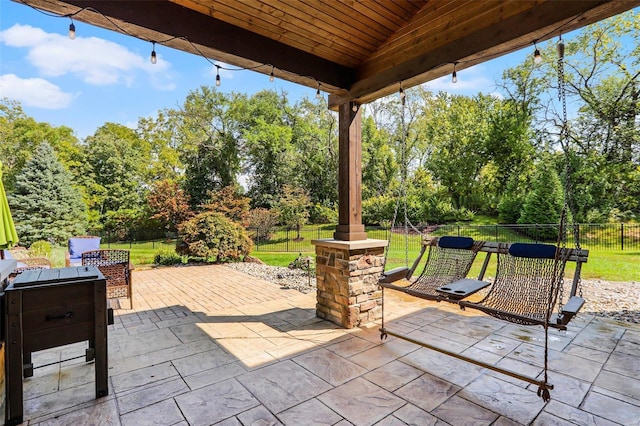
<point x="93" y="60"/>
<point x="470" y="80"/>
<point x="35" y="92"/>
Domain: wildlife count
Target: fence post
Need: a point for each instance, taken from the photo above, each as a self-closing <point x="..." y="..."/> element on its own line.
<point x="622" y="236"/>
<point x="497" y="238"/>
<point x="458" y="230"/>
<point x="287" y="240"/>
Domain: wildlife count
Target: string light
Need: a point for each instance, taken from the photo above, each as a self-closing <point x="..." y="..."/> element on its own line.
<point x="401" y="94"/>
<point x="454" y="77"/>
<point x="537" y="57"/>
<point x="154" y="59"/>
<point x="354" y="107"/>
<point x="72" y="30"/>
<point x="560" y="47"/>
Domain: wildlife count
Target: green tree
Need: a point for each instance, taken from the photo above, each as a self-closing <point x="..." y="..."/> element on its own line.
<point x="293" y="207"/>
<point x="315" y="165"/>
<point x="267" y="133"/>
<point x="379" y="166"/>
<point x="44" y="202"/>
<point x="457" y="129"/>
<point x="545" y="199"/>
<point x="167" y="148"/>
<point x="114" y="181"/>
<point x="20" y="135"/>
<point x="210" y="135"/>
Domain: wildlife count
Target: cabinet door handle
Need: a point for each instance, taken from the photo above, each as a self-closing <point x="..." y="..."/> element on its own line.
<point x="68" y="315"/>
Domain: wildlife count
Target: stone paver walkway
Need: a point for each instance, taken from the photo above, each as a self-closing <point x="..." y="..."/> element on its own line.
<point x="208" y="345"/>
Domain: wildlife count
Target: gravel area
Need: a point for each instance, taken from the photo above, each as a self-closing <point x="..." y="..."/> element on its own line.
<point x="618" y="300"/>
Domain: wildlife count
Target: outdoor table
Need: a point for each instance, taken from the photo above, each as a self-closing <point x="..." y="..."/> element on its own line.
<point x="48" y="308"/>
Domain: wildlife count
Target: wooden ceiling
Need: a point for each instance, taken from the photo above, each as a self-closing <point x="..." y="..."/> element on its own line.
<point x="357" y="50"/>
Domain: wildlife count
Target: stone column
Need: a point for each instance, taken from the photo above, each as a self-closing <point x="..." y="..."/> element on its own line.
<point x="347" y="275"/>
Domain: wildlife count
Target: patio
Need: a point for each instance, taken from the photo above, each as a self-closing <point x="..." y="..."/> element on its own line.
<point x="210" y="345"/>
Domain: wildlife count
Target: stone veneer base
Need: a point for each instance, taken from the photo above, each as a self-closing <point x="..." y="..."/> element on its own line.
<point x="347" y="274"/>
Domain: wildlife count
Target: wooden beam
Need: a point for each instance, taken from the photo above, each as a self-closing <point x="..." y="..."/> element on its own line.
<point x="543" y="22"/>
<point x="158" y="20"/>
<point x="350" y="225"/>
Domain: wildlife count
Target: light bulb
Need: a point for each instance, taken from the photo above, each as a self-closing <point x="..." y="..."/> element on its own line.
<point x="318" y="95"/>
<point x="72" y="31"/>
<point x="561" y="48"/>
<point x="454" y="77"/>
<point x="354" y="107"/>
<point x="537" y="57"/>
<point x="401" y="93"/>
<point x="154" y="58"/>
<point x="271" y="76"/>
<point x="218" y="80"/>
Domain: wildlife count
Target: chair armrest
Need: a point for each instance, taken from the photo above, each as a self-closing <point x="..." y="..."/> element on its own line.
<point x="67" y="259"/>
<point x="573" y="305"/>
<point x="394" y="275"/>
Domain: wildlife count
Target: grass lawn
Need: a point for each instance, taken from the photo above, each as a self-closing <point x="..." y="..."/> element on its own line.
<point x="609" y="265"/>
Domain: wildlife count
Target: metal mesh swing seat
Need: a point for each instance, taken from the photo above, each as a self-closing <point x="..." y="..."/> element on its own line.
<point x="448" y="261"/>
<point x="528" y="282"/>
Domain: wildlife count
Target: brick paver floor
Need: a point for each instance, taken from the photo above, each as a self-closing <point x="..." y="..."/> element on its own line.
<point x="209" y="345"/>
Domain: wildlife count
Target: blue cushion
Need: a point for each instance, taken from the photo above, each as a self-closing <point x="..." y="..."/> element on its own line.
<point x="77" y="246"/>
<point x="455" y="242"/>
<point x="535" y="251"/>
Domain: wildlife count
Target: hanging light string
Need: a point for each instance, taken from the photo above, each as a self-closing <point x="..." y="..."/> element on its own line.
<point x="454" y="76"/>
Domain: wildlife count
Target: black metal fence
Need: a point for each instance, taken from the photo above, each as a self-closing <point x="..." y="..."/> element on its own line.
<point x="606" y="236"/>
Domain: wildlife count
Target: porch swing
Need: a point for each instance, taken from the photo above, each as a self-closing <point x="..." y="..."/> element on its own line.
<point x="528" y="283"/>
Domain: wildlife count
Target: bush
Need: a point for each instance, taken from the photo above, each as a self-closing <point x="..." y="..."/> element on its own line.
<point x="261" y="223"/>
<point x="167" y="257"/>
<point x="377" y="210"/>
<point x="41" y="248"/>
<point x="302" y="262"/>
<point x="320" y="213"/>
<point x="213" y="236"/>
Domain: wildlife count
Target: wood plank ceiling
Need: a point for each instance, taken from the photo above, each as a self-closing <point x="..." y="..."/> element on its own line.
<point x="357" y="50"/>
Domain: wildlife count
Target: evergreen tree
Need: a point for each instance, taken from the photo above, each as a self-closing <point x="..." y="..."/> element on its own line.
<point x="45" y="204"/>
<point x="543" y="204"/>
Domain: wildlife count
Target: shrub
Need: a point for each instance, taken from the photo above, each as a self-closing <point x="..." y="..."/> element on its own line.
<point x="41" y="248"/>
<point x="320" y="213"/>
<point x="213" y="236"/>
<point x="377" y="210"/>
<point x="261" y="223"/>
<point x="302" y="262"/>
<point x="167" y="257"/>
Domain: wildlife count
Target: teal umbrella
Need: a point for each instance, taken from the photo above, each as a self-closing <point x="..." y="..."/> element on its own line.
<point x="8" y="234"/>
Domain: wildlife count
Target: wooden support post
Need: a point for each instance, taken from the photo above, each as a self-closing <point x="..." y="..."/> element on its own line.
<point x="350" y="227"/>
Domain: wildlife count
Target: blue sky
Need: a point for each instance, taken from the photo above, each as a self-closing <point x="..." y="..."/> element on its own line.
<point x="103" y="76"/>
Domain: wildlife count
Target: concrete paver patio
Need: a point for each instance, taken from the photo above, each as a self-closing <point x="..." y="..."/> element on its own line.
<point x="209" y="345"/>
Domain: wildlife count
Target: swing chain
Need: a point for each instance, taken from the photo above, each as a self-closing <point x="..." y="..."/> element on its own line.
<point x="564" y="141"/>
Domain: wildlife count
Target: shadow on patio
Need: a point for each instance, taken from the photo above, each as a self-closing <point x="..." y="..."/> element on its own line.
<point x="209" y="345"/>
